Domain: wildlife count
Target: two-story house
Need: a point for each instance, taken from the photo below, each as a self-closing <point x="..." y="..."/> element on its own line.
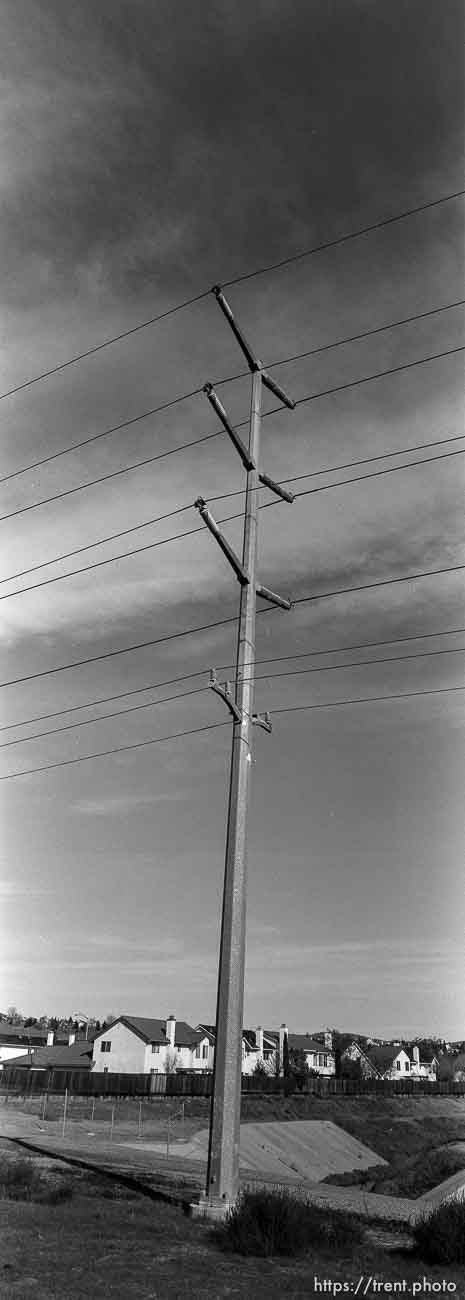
<point x="143" y="1045"/>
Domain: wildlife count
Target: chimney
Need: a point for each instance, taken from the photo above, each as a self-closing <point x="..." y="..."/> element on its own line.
<point x="259" y="1039"/>
<point x="416" y="1055"/>
<point x="170" y="1030"/>
<point x="50" y="1038"/>
<point x="282" y="1035"/>
<point x="71" y="1040"/>
<point x="328" y="1036"/>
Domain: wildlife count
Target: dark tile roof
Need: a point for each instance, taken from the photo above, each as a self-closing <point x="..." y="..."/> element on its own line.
<point x="58" y="1058"/>
<point x="303" y="1042"/>
<point x="384" y="1056"/>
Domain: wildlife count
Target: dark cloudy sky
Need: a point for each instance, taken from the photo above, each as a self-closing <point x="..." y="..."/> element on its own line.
<point x="149" y="150"/>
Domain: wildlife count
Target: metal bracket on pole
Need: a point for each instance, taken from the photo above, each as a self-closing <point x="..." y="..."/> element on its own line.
<point x="228" y="551"/>
<point x="266" y="594"/>
<point x="252" y="361"/>
<point x="225" y="692"/>
<point x="220" y="411"/>
<point x="276" y="487"/>
<point x="262" y="720"/>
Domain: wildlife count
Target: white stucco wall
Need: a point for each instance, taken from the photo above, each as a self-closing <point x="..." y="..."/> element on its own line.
<point x="127" y="1055"/>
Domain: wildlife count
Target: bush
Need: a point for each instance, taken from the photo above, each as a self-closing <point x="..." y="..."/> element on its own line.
<point x="276" y="1223"/>
<point x="440" y="1236"/>
<point x="19" y="1180"/>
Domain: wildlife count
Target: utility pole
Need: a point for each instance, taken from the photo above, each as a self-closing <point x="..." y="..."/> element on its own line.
<point x="223" y="1156"/>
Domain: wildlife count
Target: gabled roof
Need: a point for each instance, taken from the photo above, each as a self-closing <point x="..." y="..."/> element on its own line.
<point x="383" y="1057"/>
<point x="427" y="1056"/>
<point x="154" y="1031"/>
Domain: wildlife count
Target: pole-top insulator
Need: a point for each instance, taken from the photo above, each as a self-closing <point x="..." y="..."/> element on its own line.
<point x="200" y="503"/>
<point x="216" y="289"/>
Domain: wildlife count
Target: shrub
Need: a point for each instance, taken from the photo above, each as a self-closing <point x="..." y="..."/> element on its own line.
<point x="440" y="1236"/>
<point x="57" y="1195"/>
<point x="19" y="1180"/>
<point x="276" y="1223"/>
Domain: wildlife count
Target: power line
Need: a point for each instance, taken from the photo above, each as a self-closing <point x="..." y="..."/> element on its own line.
<point x="104" y="478"/>
<point x="200" y="672"/>
<point x="121" y="749"/>
<point x="200" y="690"/>
<point x="367" y="699"/>
<point x="212" y="726"/>
<point x="385" y="582"/>
<point x="116" y="428"/>
<point x="149" y="546"/>
<point x="223" y="496"/>
<point x="341" y="239"/>
<point x="206" y="627"/>
<point x="45" y="374"/>
<point x="295" y="257"/>
<point x="105" y="433"/>
<point x="312" y="397"/>
<point x="174" y="681"/>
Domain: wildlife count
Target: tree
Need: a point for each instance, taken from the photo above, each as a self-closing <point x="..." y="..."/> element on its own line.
<point x="298" y="1066"/>
<point x="172" y="1061"/>
<point x="14" y="1016"/>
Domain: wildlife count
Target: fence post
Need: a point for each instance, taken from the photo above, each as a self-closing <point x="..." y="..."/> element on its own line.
<point x="65" y="1107"/>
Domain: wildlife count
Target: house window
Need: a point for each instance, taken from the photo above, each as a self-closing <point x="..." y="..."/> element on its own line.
<point x="204" y="1051"/>
<point x="325" y="1062"/>
<point x="153" y="1048"/>
<point x="397" y="1065"/>
<point x="197" y="1051"/>
<point x="105" y="1045"/>
<point x="320" y="1059"/>
<point x="407" y="1065"/>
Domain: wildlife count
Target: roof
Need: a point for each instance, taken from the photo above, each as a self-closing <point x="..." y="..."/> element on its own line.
<point x="154" y="1031"/>
<point x="10" y="1035"/>
<point x="305" y="1043"/>
<point x="76" y="1057"/>
<point x="383" y="1057"/>
<point x="426" y="1054"/>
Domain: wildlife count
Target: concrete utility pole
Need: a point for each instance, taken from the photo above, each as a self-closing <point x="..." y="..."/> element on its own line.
<point x="223" y="1157"/>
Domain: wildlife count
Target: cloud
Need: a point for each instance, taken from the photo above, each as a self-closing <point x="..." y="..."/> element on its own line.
<point x="108" y="807"/>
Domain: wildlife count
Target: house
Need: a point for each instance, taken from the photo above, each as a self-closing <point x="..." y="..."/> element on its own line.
<point x="387" y="1061"/>
<point x="76" y="1056"/>
<point x="318" y="1051"/>
<point x="142" y="1045"/>
<point x="424" y="1064"/>
<point x="259" y="1047"/>
<point x="16" y="1041"/>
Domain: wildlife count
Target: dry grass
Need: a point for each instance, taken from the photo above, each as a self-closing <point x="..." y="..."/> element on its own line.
<point x="114" y="1244"/>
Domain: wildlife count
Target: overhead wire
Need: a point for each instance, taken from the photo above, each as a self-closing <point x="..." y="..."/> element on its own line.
<point x="200" y="672"/>
<point x="200" y="690"/>
<point x="173" y="636"/>
<point x="182" y="397"/>
<point x="97" y="564"/>
<point x="311" y="397"/>
<point x="295" y="257"/>
<point x="212" y="726"/>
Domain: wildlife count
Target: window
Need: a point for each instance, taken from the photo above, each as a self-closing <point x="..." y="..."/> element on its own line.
<point x="197" y="1050"/>
<point x="153" y="1048"/>
<point x="325" y="1062"/>
<point x="105" y="1045"/>
<point x="320" y="1059"/>
<point x="204" y="1051"/>
<point x="407" y="1065"/>
<point x="398" y="1065"/>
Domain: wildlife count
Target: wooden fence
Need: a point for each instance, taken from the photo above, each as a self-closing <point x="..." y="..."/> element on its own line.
<point x="21" y="1081"/>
